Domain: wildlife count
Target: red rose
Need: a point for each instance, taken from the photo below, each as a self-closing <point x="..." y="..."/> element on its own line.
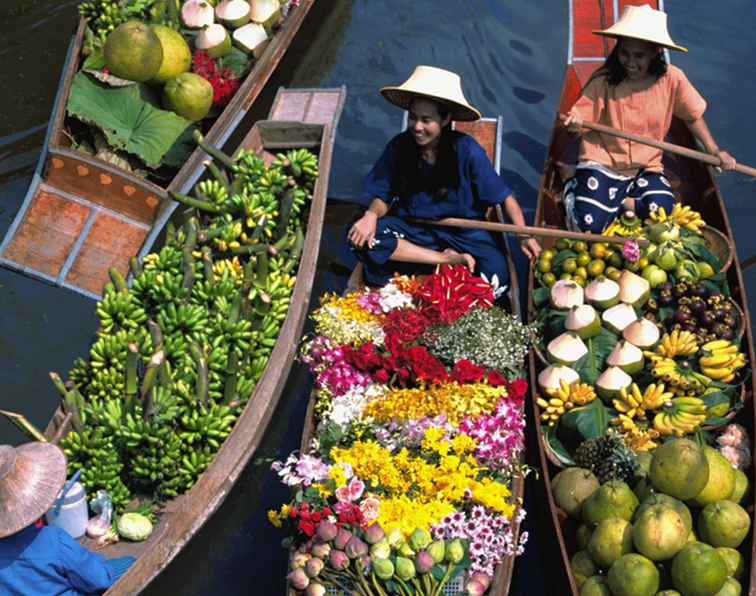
<point x="465" y="371"/>
<point x="495" y="379"/>
<point x="307" y="527"/>
<point x="381" y="376"/>
<point x="518" y="388"/>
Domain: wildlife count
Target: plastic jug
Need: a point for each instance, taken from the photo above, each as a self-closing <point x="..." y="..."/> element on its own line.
<point x="70" y="513"/>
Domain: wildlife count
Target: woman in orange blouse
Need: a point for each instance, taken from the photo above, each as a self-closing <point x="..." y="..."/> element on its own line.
<point x="638" y="92"/>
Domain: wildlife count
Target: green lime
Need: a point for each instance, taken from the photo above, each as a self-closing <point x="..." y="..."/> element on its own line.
<point x="569" y="265"/>
<point x="580" y="246"/>
<point x="596" y="267"/>
<point x="583" y="259"/>
<point x="549" y="279"/>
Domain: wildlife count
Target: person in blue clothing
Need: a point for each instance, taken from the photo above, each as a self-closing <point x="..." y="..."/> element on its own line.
<point x="43" y="560"/>
<point x="430" y="171"/>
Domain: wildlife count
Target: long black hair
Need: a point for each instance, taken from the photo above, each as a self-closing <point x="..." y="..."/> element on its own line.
<point x="445" y="172"/>
<point x="615" y="73"/>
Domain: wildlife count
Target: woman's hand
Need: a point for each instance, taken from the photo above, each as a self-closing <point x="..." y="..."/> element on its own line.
<point x="530" y="247"/>
<point x="573" y="122"/>
<point x="363" y="230"/>
<point x="728" y="161"/>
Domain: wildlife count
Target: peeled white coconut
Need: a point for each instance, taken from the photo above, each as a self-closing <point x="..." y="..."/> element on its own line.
<point x="196" y="14"/>
<point x="265" y="12"/>
<point x="602" y="292"/>
<point x="550" y="377"/>
<point x="251" y="38"/>
<point x="233" y="13"/>
<point x="618" y="317"/>
<point x="634" y="289"/>
<point x="627" y="357"/>
<point x="566" y="349"/>
<point x="643" y="333"/>
<point x="566" y="294"/>
<point x="584" y="321"/>
<point x="214" y="40"/>
<point x="611" y="382"/>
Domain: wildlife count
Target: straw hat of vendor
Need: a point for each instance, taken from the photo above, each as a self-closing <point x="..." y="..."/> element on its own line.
<point x="433" y="83"/>
<point x="644" y="23"/>
<point x="31" y="477"/>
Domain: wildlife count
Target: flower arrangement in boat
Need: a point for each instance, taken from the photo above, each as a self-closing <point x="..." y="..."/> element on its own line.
<point x="409" y="474"/>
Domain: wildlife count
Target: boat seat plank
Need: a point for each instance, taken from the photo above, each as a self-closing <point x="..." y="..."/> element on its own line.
<point x="484" y="131"/>
<point x="311" y="106"/>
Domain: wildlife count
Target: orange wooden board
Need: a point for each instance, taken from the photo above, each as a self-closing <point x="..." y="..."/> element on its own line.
<point x="48" y="232"/>
<point x="588" y="15"/>
<point x="111" y="242"/>
<point x="484" y="132"/>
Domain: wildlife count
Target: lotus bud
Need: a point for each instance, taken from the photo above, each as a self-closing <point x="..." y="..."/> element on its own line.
<point x="356" y="548"/>
<point x="380" y="550"/>
<point x="342" y="537"/>
<point x="482" y="578"/>
<point x="437" y="550"/>
<point x="374" y="533"/>
<point x="405" y="569"/>
<point x="405" y="550"/>
<point x="424" y="562"/>
<point x="338" y="559"/>
<point x="383" y="568"/>
<point x="315" y="589"/>
<point x="313" y="567"/>
<point x="298" y="579"/>
<point x="419" y="539"/>
<point x="321" y="550"/>
<point x="475" y="588"/>
<point x="299" y="559"/>
<point x="394" y="536"/>
<point x="327" y="531"/>
<point x="364" y="564"/>
<point x="455" y="551"/>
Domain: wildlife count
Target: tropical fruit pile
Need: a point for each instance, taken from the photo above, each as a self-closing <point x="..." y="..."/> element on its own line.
<point x="672" y="524"/>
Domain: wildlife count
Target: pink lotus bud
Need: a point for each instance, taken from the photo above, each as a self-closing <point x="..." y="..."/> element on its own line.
<point x="482" y="578"/>
<point x="298" y="579"/>
<point x="374" y="533"/>
<point x="475" y="589"/>
<point x="315" y="589"/>
<point x="321" y="550"/>
<point x="299" y="559"/>
<point x="356" y="548"/>
<point x="424" y="562"/>
<point x="327" y="531"/>
<point x="338" y="559"/>
<point x="342" y="537"/>
<point x="313" y="567"/>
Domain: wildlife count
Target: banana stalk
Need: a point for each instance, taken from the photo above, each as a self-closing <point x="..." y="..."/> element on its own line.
<point x="232" y="372"/>
<point x="135" y="266"/>
<point x="118" y="280"/>
<point x="149" y="380"/>
<point x="213" y="152"/>
<point x="69" y="402"/>
<point x="195" y="203"/>
<point x="218" y="174"/>
<point x="155" y="334"/>
<point x="132" y="382"/>
<point x="200" y="359"/>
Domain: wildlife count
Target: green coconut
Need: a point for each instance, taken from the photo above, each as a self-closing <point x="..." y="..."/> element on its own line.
<point x="252" y="39"/>
<point x="634" y="290"/>
<point x="233" y="13"/>
<point x="627" y="357"/>
<point x="602" y="293"/>
<point x="266" y="12"/>
<point x="642" y="333"/>
<point x="566" y="349"/>
<point x="549" y="378"/>
<point x="584" y="321"/>
<point x="565" y="294"/>
<point x="611" y="382"/>
<point x="214" y="40"/>
<point x="618" y="317"/>
<point x="196" y="14"/>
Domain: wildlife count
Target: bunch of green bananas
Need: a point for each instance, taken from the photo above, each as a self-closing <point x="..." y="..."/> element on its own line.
<point x="120" y="310"/>
<point x="106" y="15"/>
<point x="680" y="416"/>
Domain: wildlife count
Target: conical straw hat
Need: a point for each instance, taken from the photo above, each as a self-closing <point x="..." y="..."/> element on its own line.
<point x="644" y="23"/>
<point x="433" y="83"/>
<point x="31" y="477"/>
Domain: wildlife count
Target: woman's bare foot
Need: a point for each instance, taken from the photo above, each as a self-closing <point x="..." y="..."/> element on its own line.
<point x="456" y="258"/>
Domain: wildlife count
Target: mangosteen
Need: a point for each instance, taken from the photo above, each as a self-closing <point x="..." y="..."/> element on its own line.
<point x="652" y="304"/>
<point x="666" y="287"/>
<point x="728" y="306"/>
<point x="682" y="316"/>
<point x="684" y="300"/>
<point x="720" y="313"/>
<point x="696" y="305"/>
<point x="665" y="298"/>
<point x="699" y="290"/>
<point x="729" y="334"/>
<point x="690" y="326"/>
<point x="720" y="329"/>
<point x="730" y="321"/>
<point x="680" y="289"/>
<point x="707" y="319"/>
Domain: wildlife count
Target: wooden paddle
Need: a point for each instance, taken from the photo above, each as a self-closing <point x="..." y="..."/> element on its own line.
<point x="664" y="146"/>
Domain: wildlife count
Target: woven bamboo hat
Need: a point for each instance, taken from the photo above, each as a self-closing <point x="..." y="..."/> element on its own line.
<point x="644" y="23"/>
<point x="433" y="83"/>
<point x="31" y="477"/>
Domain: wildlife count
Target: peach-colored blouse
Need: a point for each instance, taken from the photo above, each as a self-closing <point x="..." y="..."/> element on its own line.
<point x="640" y="107"/>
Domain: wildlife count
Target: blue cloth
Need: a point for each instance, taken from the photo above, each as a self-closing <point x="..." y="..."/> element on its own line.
<point x="479" y="187"/>
<point x="593" y="196"/>
<point x="47" y="561"/>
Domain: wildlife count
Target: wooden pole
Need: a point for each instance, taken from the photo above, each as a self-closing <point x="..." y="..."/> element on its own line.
<point x="664" y="146"/>
<point x="459" y="222"/>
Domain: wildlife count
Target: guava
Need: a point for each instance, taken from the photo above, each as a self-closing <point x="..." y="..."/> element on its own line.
<point x="189" y="95"/>
<point x="723" y="523"/>
<point x="633" y="575"/>
<point x="611" y="539"/>
<point x="698" y="570"/>
<point x="679" y="468"/>
<point x="133" y="51"/>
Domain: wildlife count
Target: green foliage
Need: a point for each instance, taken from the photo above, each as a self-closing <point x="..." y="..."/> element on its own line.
<point x="590" y="366"/>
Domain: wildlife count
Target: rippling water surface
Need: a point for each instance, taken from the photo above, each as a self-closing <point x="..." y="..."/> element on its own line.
<point x="511" y="57"/>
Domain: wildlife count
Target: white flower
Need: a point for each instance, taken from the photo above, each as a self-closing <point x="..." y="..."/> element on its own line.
<point x="588" y="219"/>
<point x="642" y="182"/>
<point x="653" y="207"/>
<point x="593" y="183"/>
<point x="391" y="298"/>
<point x="494" y="283"/>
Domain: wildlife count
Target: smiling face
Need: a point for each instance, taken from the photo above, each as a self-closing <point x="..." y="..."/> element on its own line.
<point x="635" y="56"/>
<point x="425" y="123"/>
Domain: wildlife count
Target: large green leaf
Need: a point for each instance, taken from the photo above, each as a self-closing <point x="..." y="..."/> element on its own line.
<point x="555" y="445"/>
<point x="590" y="420"/>
<point x="590" y="366"/>
<point x="128" y="118"/>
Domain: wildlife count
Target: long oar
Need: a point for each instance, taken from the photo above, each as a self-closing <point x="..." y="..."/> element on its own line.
<point x="459" y="222"/>
<point x="664" y="146"/>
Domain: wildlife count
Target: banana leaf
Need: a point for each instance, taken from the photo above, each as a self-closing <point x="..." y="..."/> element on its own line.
<point x="128" y="117"/>
<point x="590" y="420"/>
<point x="590" y="366"/>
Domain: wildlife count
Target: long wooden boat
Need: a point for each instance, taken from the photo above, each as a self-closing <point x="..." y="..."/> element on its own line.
<point x="299" y="118"/>
<point x="487" y="131"/>
<point x="693" y="183"/>
<point x="82" y="215"/>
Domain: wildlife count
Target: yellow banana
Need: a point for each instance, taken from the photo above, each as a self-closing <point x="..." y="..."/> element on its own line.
<point x="717" y="373"/>
<point x="717" y="344"/>
<point x="662" y="424"/>
<point x="716" y="361"/>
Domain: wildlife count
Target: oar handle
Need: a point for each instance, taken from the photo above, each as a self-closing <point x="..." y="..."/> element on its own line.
<point x="664" y="146"/>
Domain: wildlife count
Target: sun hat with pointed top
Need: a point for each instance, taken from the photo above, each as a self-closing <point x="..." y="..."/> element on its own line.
<point x="31" y="476"/>
<point x="433" y="83"/>
<point x="644" y="23"/>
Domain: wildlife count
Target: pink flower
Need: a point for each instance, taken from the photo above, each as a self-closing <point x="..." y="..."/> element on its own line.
<point x="352" y="491"/>
<point x="631" y="250"/>
<point x="371" y="508"/>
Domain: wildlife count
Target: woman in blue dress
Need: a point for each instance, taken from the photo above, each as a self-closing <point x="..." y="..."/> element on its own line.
<point x="430" y="171"/>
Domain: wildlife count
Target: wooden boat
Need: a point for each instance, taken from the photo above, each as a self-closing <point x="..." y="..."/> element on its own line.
<point x="693" y="183"/>
<point x="487" y="131"/>
<point x="299" y="118"/>
<point x="82" y="215"/>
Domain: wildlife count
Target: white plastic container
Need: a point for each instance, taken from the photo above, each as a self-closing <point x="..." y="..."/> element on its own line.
<point x="73" y="515"/>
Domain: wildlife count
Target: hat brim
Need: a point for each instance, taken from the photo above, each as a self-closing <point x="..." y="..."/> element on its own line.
<point x="671" y="46"/>
<point x="402" y="98"/>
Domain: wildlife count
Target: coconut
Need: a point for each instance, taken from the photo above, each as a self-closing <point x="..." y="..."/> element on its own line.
<point x="233" y="13"/>
<point x="643" y="334"/>
<point x="627" y="356"/>
<point x="634" y="289"/>
<point x="251" y="39"/>
<point x="566" y="294"/>
<point x="550" y="377"/>
<point x="584" y="321"/>
<point x="618" y="317"/>
<point x="196" y="14"/>
<point x="214" y="40"/>
<point x="611" y="382"/>
<point x="265" y="12"/>
<point x="602" y="292"/>
<point x="566" y="349"/>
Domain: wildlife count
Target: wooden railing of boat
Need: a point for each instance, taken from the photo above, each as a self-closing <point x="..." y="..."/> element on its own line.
<point x="693" y="183"/>
<point x="81" y="216"/>
<point x="299" y="118"/>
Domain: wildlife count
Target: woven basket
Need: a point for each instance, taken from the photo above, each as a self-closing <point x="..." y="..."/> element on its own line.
<point x="719" y="245"/>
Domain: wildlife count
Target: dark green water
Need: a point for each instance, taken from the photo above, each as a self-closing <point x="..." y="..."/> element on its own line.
<point x="510" y="55"/>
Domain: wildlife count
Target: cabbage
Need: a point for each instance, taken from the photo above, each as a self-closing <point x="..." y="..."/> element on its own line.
<point x="134" y="526"/>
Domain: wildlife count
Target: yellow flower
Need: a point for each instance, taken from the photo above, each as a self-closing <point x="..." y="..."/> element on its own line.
<point x="463" y="443"/>
<point x="273" y="518"/>
<point x="337" y="474"/>
<point x="323" y="489"/>
<point x="406" y="514"/>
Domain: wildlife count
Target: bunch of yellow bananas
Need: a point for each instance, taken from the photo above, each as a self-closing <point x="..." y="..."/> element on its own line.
<point x="563" y="399"/>
<point x="233" y="266"/>
<point x="638" y="438"/>
<point x="633" y="402"/>
<point x="678" y="374"/>
<point x="681" y="415"/>
<point x="617" y="228"/>
<point x="677" y="343"/>
<point x="720" y="360"/>
<point x="682" y="215"/>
